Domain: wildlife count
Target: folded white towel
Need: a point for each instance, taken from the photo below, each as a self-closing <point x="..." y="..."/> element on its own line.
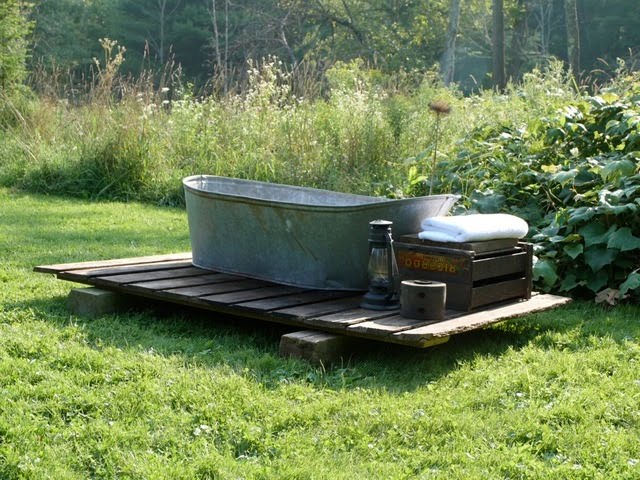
<point x="473" y="228"/>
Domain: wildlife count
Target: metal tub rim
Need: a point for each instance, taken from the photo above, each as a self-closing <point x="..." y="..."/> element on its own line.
<point x="366" y="202"/>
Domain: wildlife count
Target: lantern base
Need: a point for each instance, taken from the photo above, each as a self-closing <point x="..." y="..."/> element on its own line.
<point x="379" y="301"/>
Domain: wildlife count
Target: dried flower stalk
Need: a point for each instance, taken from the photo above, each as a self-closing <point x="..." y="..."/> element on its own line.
<point x="440" y="108"/>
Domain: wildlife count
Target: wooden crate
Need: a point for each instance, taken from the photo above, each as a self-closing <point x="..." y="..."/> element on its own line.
<point x="476" y="273"/>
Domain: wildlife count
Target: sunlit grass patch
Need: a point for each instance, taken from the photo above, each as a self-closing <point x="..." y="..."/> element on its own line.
<point x="168" y="393"/>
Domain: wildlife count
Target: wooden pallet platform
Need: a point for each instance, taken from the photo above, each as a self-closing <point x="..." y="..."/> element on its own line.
<point x="172" y="278"/>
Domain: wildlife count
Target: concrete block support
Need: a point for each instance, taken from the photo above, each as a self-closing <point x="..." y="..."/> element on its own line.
<point x="318" y="347"/>
<point x="93" y="302"/>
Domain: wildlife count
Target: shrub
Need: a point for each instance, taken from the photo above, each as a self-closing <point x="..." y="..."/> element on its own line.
<point x="14" y="28"/>
<point x="576" y="178"/>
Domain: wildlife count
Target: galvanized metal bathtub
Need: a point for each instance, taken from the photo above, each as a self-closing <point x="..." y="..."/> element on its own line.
<point x="293" y="235"/>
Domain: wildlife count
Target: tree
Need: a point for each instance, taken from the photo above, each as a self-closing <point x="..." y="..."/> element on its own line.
<point x="448" y="59"/>
<point x="499" y="74"/>
<point x="573" y="36"/>
<point x="221" y="61"/>
<point x="150" y="20"/>
<point x="14" y="28"/>
<point x="518" y="39"/>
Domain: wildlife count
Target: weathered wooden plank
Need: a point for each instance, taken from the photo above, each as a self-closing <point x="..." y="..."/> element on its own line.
<point x="61" y="267"/>
<point x="179" y="283"/>
<point x="256" y="294"/>
<point x="213" y="288"/>
<point x="316" y="309"/>
<point x="476" y="247"/>
<point x="148" y="276"/>
<point x="341" y="320"/>
<point x="493" y="267"/>
<point x="136" y="268"/>
<point x="498" y="292"/>
<point x="465" y="297"/>
<point x="383" y="327"/>
<point x="269" y="304"/>
<point x="479" y="319"/>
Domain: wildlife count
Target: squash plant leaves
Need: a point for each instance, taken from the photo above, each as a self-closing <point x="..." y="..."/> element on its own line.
<point x="623" y="240"/>
<point x="631" y="283"/>
<point x="598" y="257"/>
<point x="573" y="250"/>
<point x="617" y="168"/>
<point x="546" y="270"/>
<point x="594" y="234"/>
<point x="597" y="281"/>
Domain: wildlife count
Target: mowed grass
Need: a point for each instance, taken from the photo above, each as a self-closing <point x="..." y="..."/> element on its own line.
<point x="169" y="394"/>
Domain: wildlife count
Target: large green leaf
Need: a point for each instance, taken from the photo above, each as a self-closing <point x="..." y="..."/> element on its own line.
<point x="563" y="177"/>
<point x="597" y="281"/>
<point x="618" y="209"/>
<point x="631" y="283"/>
<point x="487" y="202"/>
<point x="584" y="177"/>
<point x="581" y="214"/>
<point x="598" y="257"/>
<point x="545" y="269"/>
<point x="573" y="250"/>
<point x="617" y="168"/>
<point x="594" y="234"/>
<point x="624" y="240"/>
<point x="570" y="282"/>
<point x="574" y="237"/>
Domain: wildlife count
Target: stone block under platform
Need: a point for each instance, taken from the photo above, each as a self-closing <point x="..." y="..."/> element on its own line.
<point x="95" y="302"/>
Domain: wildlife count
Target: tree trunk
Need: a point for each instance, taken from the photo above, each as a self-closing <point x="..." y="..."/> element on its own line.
<point x="448" y="59"/>
<point x="499" y="75"/>
<point x="518" y="41"/>
<point x="216" y="35"/>
<point x="573" y="36"/>
<point x="226" y="47"/>
<point x="162" y="4"/>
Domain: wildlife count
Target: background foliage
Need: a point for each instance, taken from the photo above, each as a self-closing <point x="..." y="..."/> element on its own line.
<point x="217" y="37"/>
<point x="14" y="28"/>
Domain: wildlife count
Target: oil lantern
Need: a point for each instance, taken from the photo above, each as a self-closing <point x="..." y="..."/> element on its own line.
<point x="382" y="270"/>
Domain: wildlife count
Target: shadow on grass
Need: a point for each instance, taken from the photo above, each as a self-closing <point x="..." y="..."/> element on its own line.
<point x="250" y="347"/>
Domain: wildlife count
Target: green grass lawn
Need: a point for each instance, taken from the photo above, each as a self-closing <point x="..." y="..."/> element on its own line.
<point x="165" y="394"/>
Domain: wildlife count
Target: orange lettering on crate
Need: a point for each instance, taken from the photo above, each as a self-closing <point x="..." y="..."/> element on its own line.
<point x="430" y="263"/>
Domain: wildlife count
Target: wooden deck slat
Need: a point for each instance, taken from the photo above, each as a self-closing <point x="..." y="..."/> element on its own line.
<point x="61" y="267"/>
<point x="340" y="321"/>
<point x="315" y="309"/>
<point x="178" y="284"/>
<point x="383" y="327"/>
<point x="214" y="288"/>
<point x="479" y="319"/>
<point x="256" y="294"/>
<point x="135" y="268"/>
<point x="128" y="278"/>
<point x="279" y="303"/>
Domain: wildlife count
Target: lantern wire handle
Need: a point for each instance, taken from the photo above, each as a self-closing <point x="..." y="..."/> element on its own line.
<point x="391" y="286"/>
